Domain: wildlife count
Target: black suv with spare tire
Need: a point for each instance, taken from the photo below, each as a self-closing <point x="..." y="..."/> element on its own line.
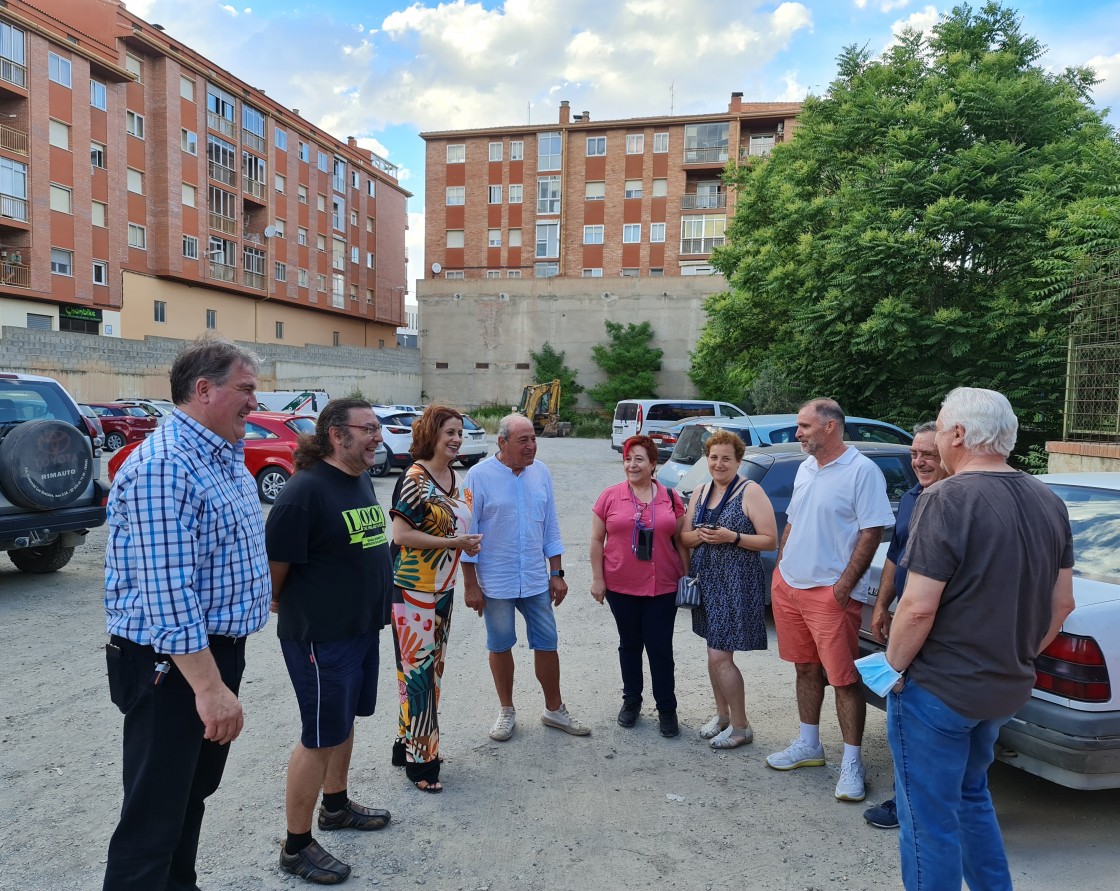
<point x="50" y="491"/>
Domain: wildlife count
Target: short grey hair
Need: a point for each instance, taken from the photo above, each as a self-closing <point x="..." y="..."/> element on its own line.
<point x="826" y="409"/>
<point x="506" y="423"/>
<point x="211" y="357"/>
<point x="925" y="427"/>
<point x="989" y="422"/>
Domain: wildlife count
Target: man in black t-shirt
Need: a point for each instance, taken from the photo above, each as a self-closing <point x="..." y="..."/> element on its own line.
<point x="332" y="591"/>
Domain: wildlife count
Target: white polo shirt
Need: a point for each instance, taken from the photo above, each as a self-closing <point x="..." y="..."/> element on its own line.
<point x="829" y="507"/>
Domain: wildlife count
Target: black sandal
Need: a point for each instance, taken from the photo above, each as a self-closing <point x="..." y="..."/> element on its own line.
<point x="431" y="788"/>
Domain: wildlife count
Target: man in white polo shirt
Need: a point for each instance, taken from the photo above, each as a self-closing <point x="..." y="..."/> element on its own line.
<point x="835" y="522"/>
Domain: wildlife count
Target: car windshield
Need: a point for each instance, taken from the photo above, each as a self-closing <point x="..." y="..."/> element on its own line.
<point x="32" y="400"/>
<point x="301" y="425"/>
<point x="1094" y="515"/>
<point x="690" y="444"/>
<point x="469" y="423"/>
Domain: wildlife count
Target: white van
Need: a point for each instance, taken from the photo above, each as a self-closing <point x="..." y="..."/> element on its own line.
<point x="298" y="402"/>
<point x="645" y="416"/>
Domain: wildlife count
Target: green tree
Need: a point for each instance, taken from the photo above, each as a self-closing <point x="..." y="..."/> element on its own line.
<point x="628" y="361"/>
<point x="548" y="364"/>
<point x="920" y="231"/>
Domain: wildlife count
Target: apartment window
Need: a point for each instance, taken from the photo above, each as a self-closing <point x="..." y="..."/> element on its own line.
<point x="99" y="213"/>
<point x="223" y="204"/>
<point x="281" y="271"/>
<point x="456" y="195"/>
<point x="594" y="191"/>
<point x="60" y="135"/>
<point x="135" y="181"/>
<point x="515" y="273"/>
<point x="186" y="88"/>
<point x="515" y="238"/>
<point x="100" y="272"/>
<point x="137" y="236"/>
<point x="628" y="272"/>
<point x="321" y="242"/>
<point x="190" y="247"/>
<point x="132" y="66"/>
<point x="455" y="274"/>
<point x="548" y="239"/>
<point x="633" y="188"/>
<point x="338" y="176"/>
<point x="494" y="238"/>
<point x="596" y="146"/>
<point x="371" y="188"/>
<point x="548" y="194"/>
<point x="517" y="150"/>
<point x="370" y="259"/>
<point x="301" y="276"/>
<point x="548" y="151"/>
<point x="98" y="98"/>
<point x="279" y="330"/>
<point x="62" y="262"/>
<point x="189" y="195"/>
<point x="657" y="272"/>
<point x="280" y="138"/>
<point x="660" y="188"/>
<point x="457" y="154"/>
<point x="134" y="124"/>
<point x="592" y="234"/>
<point x="632" y="233"/>
<point x="495" y="195"/>
<point x="660" y="143"/>
<point x="338" y="291"/>
<point x="336" y="339"/>
<point x="369" y="224"/>
<point x="12" y="55"/>
<point x="635" y="143"/>
<point x="493" y="273"/>
<point x="455" y="238"/>
<point x="355" y="180"/>
<point x="281" y="183"/>
<point x="302" y="193"/>
<point x="321" y="203"/>
<point x="321" y="282"/>
<point x="304" y="152"/>
<point x="515" y="193"/>
<point x="762" y="144"/>
<point x="545" y="270"/>
<point x="253" y="168"/>
<point x="97" y="155"/>
<point x="61" y="199"/>
<point x="279" y="225"/>
<point x="222" y="164"/>
<point x="355" y="255"/>
<point x="705" y="143"/>
<point x="58" y="69"/>
<point x="700" y="233"/>
<point x="353" y="218"/>
<point x="595" y="272"/>
<point x="656" y="233"/>
<point x="495" y="151"/>
<point x="188" y="141"/>
<point x="338" y="214"/>
<point x="324" y="162"/>
<point x="159" y="310"/>
<point x="301" y="235"/>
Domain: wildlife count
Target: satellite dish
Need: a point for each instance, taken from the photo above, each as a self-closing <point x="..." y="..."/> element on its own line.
<point x="269" y="231"/>
<point x="436" y="268"/>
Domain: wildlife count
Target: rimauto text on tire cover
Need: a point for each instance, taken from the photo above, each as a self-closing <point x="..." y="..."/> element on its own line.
<point x="45" y="464"/>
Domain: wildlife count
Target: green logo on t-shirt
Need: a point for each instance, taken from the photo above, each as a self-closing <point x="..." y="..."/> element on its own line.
<point x="366" y="525"/>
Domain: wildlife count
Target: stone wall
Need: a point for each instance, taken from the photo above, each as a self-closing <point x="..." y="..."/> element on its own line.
<point x="99" y="369"/>
<point x="1082" y="457"/>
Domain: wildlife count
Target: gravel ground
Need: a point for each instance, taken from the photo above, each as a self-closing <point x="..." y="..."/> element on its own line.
<point x="622" y="808"/>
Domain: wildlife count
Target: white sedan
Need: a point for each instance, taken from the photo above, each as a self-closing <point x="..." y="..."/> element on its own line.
<point x="1069" y="731"/>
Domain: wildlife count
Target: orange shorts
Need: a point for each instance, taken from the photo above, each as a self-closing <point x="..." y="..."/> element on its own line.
<point x="812" y="627"/>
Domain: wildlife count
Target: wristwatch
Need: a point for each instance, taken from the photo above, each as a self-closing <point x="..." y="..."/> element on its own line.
<point x="556" y="573"/>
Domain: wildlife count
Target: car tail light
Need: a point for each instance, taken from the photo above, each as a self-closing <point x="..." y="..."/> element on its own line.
<point x="639" y="419"/>
<point x="399" y="430"/>
<point x="1073" y="667"/>
<point x="94" y="436"/>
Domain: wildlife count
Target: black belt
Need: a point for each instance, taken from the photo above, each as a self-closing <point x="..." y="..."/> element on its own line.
<point x="217" y="641"/>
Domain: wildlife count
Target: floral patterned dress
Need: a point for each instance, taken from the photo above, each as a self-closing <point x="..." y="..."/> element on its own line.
<point x="422" y="601"/>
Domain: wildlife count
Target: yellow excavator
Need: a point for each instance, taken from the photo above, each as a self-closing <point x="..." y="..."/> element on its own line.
<point x="540" y="403"/>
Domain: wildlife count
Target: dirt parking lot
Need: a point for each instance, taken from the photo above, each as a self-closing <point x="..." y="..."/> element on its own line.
<point x="620" y="809"/>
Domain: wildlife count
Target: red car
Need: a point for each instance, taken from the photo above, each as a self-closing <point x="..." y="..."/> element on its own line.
<point x="270" y="442"/>
<point x="123" y="423"/>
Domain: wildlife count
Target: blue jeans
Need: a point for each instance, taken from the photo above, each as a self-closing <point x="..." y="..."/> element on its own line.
<point x="948" y="826"/>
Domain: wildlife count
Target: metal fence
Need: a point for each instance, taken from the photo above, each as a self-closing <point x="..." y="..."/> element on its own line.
<point x="1093" y="383"/>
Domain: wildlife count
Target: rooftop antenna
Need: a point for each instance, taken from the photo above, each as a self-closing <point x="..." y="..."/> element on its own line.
<point x="529" y="112"/>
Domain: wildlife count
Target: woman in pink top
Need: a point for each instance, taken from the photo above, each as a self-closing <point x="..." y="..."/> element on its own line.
<point x="636" y="559"/>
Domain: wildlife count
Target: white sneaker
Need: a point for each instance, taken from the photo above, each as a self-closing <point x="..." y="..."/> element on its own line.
<point x="561" y="720"/>
<point x="850" y="787"/>
<point x="797" y="754"/>
<point x="503" y="727"/>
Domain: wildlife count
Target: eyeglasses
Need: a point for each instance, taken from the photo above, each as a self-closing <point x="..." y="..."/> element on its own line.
<point x="368" y="429"/>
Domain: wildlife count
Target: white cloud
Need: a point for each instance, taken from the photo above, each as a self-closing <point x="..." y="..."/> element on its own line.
<point x="891" y="5"/>
<point x="1107" y="92"/>
<point x="923" y="20"/>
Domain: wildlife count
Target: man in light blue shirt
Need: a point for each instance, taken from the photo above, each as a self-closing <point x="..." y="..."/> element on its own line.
<point x="512" y="506"/>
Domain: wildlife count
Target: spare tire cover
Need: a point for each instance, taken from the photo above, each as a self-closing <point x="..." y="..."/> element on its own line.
<point x="45" y="464"/>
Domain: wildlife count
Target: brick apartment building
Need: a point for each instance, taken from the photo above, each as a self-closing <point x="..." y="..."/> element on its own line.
<point x="634" y="197"/>
<point x="202" y="203"/>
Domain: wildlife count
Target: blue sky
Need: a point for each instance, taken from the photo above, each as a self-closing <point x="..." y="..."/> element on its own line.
<point x="384" y="71"/>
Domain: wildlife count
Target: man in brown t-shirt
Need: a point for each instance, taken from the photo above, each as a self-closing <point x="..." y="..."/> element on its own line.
<point x="989" y="584"/>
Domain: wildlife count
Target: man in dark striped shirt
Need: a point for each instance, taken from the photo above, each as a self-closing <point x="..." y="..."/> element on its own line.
<point x="186" y="577"/>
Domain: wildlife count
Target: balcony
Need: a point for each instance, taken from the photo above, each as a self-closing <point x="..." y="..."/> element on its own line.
<point x="222" y="125"/>
<point x="13" y="140"/>
<point x="700" y="245"/>
<point x="13" y="208"/>
<point x="15" y="274"/>
<point x="223" y="224"/>
<point x="252" y="187"/>
<point x="706" y="201"/>
<point x="251" y="140"/>
<point x="716" y="155"/>
<point x="221" y="272"/>
<point x="253" y="280"/>
<point x="221" y="173"/>
<point x="13" y="72"/>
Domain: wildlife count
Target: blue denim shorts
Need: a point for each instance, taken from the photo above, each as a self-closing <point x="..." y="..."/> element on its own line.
<point x="540" y="623"/>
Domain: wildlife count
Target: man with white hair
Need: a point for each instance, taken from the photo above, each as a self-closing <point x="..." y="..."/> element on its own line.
<point x="988" y="586"/>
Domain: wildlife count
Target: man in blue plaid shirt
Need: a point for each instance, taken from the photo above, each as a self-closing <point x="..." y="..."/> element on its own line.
<point x="186" y="581"/>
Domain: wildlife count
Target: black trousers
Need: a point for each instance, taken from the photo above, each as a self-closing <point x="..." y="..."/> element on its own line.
<point x="646" y="623"/>
<point x="169" y="769"/>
